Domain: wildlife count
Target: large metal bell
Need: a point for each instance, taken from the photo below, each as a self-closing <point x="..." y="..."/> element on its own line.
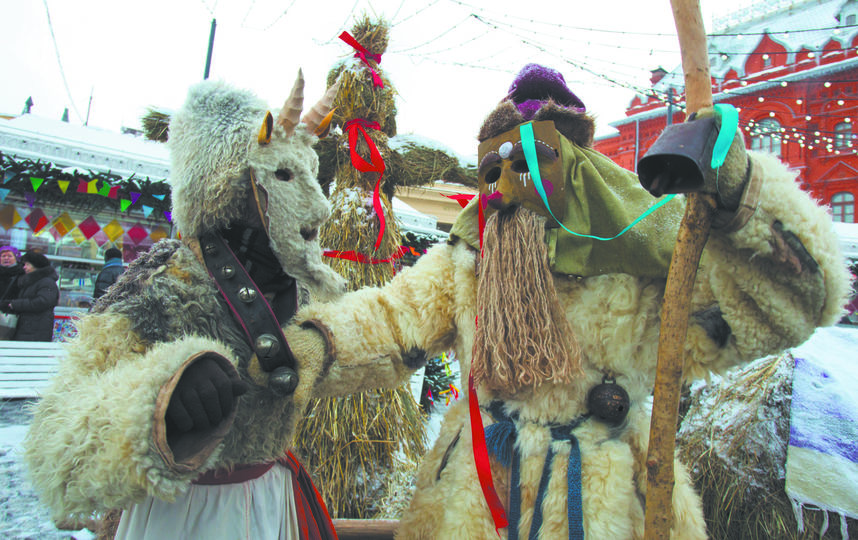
<point x="679" y="158"/>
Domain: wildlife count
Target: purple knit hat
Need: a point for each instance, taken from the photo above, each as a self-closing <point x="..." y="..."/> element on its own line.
<point x="534" y="84"/>
<point x="14" y="251"/>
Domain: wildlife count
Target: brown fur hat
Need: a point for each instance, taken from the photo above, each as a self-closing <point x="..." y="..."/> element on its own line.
<point x="540" y="93"/>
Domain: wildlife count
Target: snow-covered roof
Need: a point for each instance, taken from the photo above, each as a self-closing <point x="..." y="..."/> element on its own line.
<point x="91" y="149"/>
<point x="848" y="234"/>
<point x="796" y="25"/>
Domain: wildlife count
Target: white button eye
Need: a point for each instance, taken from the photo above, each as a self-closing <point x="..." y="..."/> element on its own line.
<point x="505" y="150"/>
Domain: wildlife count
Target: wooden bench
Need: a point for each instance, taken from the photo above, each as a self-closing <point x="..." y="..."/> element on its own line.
<point x="27" y="366"/>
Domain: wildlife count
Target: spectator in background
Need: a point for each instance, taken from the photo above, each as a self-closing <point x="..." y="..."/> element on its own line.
<point x="10" y="269"/>
<point x="38" y="294"/>
<point x="109" y="274"/>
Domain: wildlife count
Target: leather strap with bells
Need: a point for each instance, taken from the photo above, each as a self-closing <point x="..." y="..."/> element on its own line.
<point x="252" y="311"/>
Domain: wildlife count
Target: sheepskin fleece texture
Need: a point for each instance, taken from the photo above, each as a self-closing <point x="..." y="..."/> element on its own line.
<point x="91" y="448"/>
<point x="214" y="149"/>
<point x="768" y="304"/>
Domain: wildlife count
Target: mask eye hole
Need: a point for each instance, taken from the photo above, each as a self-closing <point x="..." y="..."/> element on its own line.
<point x="284" y="175"/>
<point x="493" y="175"/>
<point x="519" y="166"/>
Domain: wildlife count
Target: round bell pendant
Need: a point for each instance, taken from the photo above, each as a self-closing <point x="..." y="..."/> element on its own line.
<point x="608" y="402"/>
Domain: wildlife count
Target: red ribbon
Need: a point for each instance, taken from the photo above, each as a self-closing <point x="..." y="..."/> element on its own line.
<point x="375" y="165"/>
<point x="462" y="198"/>
<point x="365" y="56"/>
<point x="361" y="258"/>
<point x="481" y="459"/>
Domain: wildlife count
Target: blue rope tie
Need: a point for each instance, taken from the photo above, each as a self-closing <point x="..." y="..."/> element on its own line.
<point x="500" y="441"/>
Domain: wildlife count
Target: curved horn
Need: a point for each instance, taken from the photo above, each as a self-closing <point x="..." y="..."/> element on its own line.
<point x="316" y="116"/>
<point x="291" y="111"/>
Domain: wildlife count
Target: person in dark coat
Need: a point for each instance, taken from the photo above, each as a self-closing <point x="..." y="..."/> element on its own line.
<point x="38" y="294"/>
<point x="10" y="269"/>
<point x="109" y="273"/>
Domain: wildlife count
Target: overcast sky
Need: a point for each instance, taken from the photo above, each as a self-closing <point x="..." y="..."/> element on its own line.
<point x="451" y="61"/>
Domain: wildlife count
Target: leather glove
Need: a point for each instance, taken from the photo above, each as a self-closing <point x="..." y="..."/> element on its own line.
<point x="727" y="183"/>
<point x="204" y="396"/>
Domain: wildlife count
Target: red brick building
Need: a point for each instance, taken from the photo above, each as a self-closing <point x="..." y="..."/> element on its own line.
<point x="793" y="75"/>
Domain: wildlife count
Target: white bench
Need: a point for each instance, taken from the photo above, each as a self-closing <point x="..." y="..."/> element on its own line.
<point x="27" y="366"/>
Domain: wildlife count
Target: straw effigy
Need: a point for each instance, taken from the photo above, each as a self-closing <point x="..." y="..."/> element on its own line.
<point x="734" y="439"/>
<point x="360" y="447"/>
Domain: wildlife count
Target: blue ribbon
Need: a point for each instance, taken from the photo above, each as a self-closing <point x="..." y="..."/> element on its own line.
<point x="500" y="441"/>
<point x="528" y="144"/>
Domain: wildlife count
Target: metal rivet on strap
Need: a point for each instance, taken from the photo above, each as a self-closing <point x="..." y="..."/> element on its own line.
<point x="267" y="346"/>
<point x="227" y="271"/>
<point x="246" y="294"/>
<point x="210" y="249"/>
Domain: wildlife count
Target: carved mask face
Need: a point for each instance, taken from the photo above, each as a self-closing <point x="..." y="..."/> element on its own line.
<point x="504" y="177"/>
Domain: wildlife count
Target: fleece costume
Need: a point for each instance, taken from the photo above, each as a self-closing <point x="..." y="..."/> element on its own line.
<point x="103" y="436"/>
<point x="753" y="295"/>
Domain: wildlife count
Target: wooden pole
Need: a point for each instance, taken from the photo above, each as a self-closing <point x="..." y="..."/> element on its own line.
<point x="692" y="236"/>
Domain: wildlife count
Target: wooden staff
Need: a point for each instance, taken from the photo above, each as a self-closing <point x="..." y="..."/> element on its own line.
<point x="692" y="236"/>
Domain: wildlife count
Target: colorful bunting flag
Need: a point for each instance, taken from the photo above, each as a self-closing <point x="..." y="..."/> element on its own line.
<point x="64" y="185"/>
<point x="82" y="186"/>
<point x="3" y="193"/>
<point x="105" y="189"/>
<point x="124" y="204"/>
<point x="147" y="210"/>
<point x="137" y="233"/>
<point x="113" y="230"/>
<point x="37" y="220"/>
<point x="63" y="224"/>
<point x="114" y="192"/>
<point x="134" y="197"/>
<point x="157" y="234"/>
<point x="89" y="227"/>
<point x="92" y="186"/>
<point x="8" y="175"/>
<point x="36" y="182"/>
<point x="160" y="197"/>
<point x="78" y="236"/>
<point x="168" y="215"/>
<point x="9" y="216"/>
<point x="31" y="198"/>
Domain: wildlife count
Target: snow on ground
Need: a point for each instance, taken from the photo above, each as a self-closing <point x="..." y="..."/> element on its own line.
<point x="21" y="514"/>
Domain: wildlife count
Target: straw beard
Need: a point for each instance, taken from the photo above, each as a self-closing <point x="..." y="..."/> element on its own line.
<point x="523" y="339"/>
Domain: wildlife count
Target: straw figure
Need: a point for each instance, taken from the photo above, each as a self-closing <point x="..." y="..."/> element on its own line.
<point x="374" y="438"/>
<point x="179" y="399"/>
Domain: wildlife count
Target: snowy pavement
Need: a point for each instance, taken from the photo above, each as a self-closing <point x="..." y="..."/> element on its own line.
<point x="21" y="515"/>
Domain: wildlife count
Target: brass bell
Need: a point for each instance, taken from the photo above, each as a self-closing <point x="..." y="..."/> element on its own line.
<point x="267" y="346"/>
<point x="246" y="294"/>
<point x="608" y="402"/>
<point x="283" y="381"/>
<point x="678" y="159"/>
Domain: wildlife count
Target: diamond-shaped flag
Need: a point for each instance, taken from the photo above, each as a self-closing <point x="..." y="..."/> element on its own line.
<point x="113" y="230"/>
<point x="64" y="185"/>
<point x="157" y="234"/>
<point x="137" y="233"/>
<point x="100" y="238"/>
<point x="36" y="182"/>
<point x="3" y="193"/>
<point x="63" y="224"/>
<point x="9" y="216"/>
<point x="89" y="227"/>
<point x="77" y="236"/>
<point x="124" y="204"/>
<point x="37" y="220"/>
